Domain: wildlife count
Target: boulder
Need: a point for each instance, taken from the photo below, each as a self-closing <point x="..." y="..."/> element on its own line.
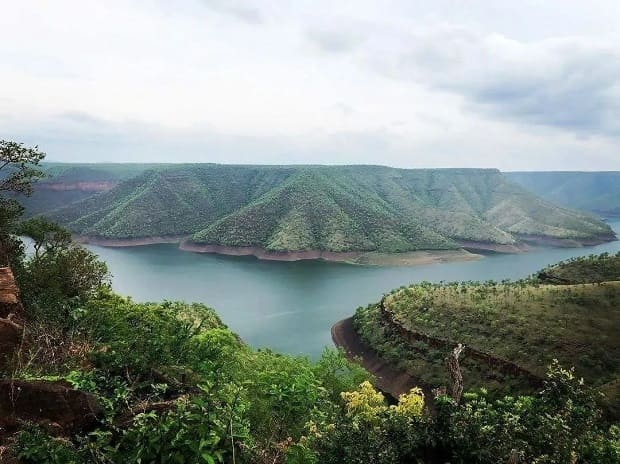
<point x="55" y="405"/>
<point x="9" y="294"/>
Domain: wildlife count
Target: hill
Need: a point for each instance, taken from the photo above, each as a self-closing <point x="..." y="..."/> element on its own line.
<point x="598" y="192"/>
<point x="587" y="269"/>
<point x="328" y="208"/>
<point x="512" y="330"/>
<point x="66" y="183"/>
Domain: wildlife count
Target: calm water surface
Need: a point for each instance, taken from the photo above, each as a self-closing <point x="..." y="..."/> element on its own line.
<point x="291" y="307"/>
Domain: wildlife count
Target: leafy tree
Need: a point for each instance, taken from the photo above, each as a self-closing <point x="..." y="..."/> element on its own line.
<point x="47" y="236"/>
<point x="18" y="170"/>
<point x="20" y="165"/>
<point x="61" y="275"/>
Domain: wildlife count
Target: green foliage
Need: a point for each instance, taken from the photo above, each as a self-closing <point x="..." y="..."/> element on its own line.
<point x="47" y="236"/>
<point x="337" y="374"/>
<point x="19" y="167"/>
<point x="35" y="446"/>
<point x="18" y="170"/>
<point x="194" y="431"/>
<point x="142" y="337"/>
<point x="555" y="426"/>
<point x="370" y="431"/>
<point x="59" y="277"/>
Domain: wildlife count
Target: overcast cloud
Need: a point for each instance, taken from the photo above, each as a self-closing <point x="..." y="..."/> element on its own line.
<point x="523" y="85"/>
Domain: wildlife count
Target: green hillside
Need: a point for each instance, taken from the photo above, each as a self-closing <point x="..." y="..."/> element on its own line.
<point x="526" y="323"/>
<point x="598" y="192"/>
<point x="333" y="208"/>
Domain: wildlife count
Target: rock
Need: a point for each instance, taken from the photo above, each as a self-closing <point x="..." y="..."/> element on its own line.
<point x="10" y="337"/>
<point x="9" y="293"/>
<point x="51" y="404"/>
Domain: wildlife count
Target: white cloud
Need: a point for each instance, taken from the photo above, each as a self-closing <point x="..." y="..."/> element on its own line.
<point x="399" y="83"/>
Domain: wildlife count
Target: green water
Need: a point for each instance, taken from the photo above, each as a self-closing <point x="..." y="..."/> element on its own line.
<point x="291" y="307"/>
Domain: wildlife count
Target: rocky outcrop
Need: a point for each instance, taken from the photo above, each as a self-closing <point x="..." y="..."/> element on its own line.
<point x="54" y="405"/>
<point x="9" y="294"/>
<point x="11" y="312"/>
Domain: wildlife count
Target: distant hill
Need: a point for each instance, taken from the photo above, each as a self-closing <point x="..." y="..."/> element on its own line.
<point x="332" y="208"/>
<point x="598" y="192"/>
<point x="66" y="183"/>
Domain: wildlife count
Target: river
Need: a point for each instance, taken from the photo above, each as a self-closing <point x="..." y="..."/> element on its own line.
<point x="291" y="306"/>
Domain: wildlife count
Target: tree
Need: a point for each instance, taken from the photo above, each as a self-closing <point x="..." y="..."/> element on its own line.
<point x="47" y="236"/>
<point x="18" y="167"/>
<point x="61" y="274"/>
<point x="18" y="170"/>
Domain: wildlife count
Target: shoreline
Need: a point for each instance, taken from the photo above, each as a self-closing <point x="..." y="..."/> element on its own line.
<point x="388" y="378"/>
<point x="354" y="257"/>
<point x="127" y="242"/>
<point x="469" y="251"/>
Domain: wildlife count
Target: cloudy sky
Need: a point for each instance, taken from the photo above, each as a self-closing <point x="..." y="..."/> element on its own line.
<point x="527" y="85"/>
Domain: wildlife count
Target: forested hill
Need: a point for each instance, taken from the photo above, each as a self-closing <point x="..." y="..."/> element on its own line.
<point x="598" y="192"/>
<point x="332" y="208"/>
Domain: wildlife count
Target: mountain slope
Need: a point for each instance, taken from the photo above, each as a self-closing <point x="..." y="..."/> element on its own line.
<point x="331" y="208"/>
<point x="598" y="192"/>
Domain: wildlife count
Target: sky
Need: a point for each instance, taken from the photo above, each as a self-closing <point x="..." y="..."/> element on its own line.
<point x="527" y="85"/>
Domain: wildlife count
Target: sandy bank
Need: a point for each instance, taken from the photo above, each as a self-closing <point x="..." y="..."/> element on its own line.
<point x="485" y="247"/>
<point x="370" y="258"/>
<point x="126" y="242"/>
<point x="261" y="253"/>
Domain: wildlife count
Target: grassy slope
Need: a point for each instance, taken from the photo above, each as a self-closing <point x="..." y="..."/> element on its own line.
<point x="338" y="208"/>
<point x="525" y="322"/>
<point x="598" y="192"/>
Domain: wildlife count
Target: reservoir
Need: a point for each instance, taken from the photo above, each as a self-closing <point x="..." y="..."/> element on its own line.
<point x="291" y="306"/>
